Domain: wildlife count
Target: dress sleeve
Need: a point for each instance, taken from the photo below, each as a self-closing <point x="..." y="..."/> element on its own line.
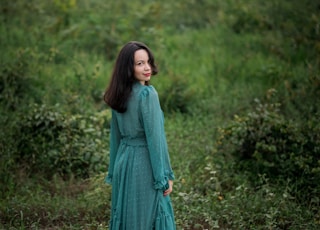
<point x="114" y="145"/>
<point x="153" y="123"/>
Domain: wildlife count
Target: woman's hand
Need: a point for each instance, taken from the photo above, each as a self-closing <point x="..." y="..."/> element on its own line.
<point x="169" y="190"/>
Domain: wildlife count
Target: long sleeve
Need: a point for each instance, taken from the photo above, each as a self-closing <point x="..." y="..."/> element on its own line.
<point x="153" y="123"/>
<point x="167" y="164"/>
<point x="114" y="145"/>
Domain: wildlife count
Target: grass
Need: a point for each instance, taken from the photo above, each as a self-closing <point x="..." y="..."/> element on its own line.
<point x="208" y="66"/>
<point x="56" y="204"/>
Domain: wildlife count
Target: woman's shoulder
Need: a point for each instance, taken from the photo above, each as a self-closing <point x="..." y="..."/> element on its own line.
<point x="147" y="90"/>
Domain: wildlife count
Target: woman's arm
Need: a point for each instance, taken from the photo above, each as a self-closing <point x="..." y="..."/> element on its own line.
<point x="152" y="118"/>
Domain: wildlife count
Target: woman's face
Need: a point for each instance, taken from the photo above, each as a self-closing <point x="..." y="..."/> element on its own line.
<point x="142" y="67"/>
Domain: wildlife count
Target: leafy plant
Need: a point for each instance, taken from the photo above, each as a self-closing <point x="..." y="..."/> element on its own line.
<point x="14" y="82"/>
<point x="264" y="142"/>
<point x="177" y="97"/>
<point x="52" y="142"/>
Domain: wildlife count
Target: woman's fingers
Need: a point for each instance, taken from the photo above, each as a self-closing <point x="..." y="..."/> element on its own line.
<point x="169" y="190"/>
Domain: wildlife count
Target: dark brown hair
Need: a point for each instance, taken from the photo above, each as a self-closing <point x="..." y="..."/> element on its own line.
<point x="122" y="79"/>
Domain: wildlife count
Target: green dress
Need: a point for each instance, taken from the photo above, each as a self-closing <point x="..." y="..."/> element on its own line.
<point x="139" y="167"/>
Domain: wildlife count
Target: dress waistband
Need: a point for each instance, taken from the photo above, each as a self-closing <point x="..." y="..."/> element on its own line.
<point x="138" y="141"/>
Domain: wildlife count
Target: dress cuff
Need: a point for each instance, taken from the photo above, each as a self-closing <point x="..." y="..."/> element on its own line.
<point x="161" y="185"/>
<point x="170" y="175"/>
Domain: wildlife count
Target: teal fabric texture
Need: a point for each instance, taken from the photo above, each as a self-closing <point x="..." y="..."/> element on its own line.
<point x="139" y="167"/>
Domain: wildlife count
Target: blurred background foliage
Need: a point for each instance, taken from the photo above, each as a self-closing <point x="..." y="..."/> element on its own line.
<point x="239" y="84"/>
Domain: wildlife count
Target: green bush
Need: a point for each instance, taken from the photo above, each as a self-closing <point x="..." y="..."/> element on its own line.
<point x="53" y="142"/>
<point x="14" y="82"/>
<point x="264" y="142"/>
<point x="177" y="96"/>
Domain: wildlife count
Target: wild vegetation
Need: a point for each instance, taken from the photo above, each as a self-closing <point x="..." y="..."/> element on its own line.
<point x="239" y="85"/>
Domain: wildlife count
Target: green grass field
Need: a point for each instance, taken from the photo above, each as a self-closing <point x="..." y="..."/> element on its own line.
<point x="239" y="85"/>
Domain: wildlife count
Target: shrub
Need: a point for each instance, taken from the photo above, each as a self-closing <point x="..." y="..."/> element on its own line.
<point x="177" y="97"/>
<point x="264" y="142"/>
<point x="14" y="82"/>
<point x="53" y="142"/>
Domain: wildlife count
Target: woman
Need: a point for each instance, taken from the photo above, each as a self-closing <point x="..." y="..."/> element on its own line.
<point x="139" y="168"/>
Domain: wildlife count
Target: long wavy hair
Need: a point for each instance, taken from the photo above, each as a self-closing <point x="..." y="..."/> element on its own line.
<point x="122" y="79"/>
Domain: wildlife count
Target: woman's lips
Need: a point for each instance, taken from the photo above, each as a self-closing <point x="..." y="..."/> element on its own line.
<point x="147" y="74"/>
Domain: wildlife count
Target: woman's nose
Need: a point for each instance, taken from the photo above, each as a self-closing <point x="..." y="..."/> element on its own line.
<point x="147" y="66"/>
